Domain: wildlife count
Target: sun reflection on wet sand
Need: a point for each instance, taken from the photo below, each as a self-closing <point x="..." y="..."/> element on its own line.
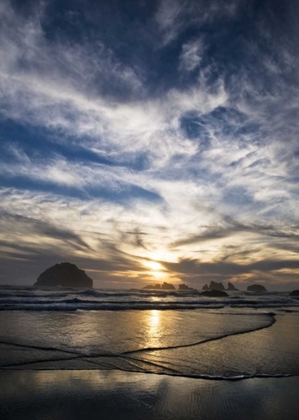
<point x="123" y="395"/>
<point x="153" y="328"/>
<point x="155" y="320"/>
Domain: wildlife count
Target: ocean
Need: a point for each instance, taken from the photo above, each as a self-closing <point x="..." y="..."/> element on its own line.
<point x="245" y="335"/>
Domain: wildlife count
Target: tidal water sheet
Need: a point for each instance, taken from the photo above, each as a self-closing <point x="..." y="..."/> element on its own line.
<point x="172" y="333"/>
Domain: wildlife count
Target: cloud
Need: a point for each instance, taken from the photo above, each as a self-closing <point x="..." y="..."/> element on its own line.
<point x="69" y="99"/>
<point x="29" y="227"/>
<point x="191" y="55"/>
<point x="178" y="146"/>
<point x="173" y="17"/>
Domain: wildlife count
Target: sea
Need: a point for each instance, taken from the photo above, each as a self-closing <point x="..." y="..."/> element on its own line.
<point x="174" y="333"/>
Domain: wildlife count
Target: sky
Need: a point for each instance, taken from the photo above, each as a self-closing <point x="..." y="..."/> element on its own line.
<point x="150" y="140"/>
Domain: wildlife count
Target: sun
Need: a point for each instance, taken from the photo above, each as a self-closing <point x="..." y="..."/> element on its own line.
<point x="156" y="269"/>
<point x="153" y="265"/>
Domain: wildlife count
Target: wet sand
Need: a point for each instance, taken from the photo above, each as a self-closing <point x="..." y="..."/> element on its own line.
<point x="94" y="394"/>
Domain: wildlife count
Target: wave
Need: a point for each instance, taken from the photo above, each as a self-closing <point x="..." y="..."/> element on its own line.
<point x="103" y="306"/>
<point x="227" y="378"/>
<point x="98" y="294"/>
<point x="143" y="293"/>
<point x="74" y="305"/>
<point x="25" y="298"/>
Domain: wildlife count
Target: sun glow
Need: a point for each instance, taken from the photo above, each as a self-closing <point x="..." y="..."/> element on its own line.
<point x="155" y="269"/>
<point x="153" y="265"/>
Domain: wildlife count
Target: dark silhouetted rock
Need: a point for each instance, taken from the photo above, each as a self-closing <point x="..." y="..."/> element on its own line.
<point x="294" y="293"/>
<point x="214" y="286"/>
<point x="66" y="275"/>
<point x="164" y="286"/>
<point x="167" y="286"/>
<point x="214" y="293"/>
<point x="231" y="287"/>
<point x="152" y="287"/>
<point x="256" y="288"/>
<point x="184" y="288"/>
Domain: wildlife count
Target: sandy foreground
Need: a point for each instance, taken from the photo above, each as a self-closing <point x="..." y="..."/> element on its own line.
<point x="94" y="394"/>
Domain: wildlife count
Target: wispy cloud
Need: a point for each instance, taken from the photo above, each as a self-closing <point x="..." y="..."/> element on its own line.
<point x="199" y="174"/>
<point x="191" y="55"/>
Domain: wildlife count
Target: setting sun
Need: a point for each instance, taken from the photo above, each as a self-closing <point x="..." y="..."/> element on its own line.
<point x="153" y="265"/>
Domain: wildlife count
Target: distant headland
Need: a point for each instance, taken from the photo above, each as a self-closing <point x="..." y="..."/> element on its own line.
<point x="65" y="275"/>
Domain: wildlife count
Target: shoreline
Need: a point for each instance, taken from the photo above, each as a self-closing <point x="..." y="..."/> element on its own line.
<point x="93" y="394"/>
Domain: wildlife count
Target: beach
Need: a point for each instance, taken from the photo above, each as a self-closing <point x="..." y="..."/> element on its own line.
<point x="107" y="395"/>
<point x="131" y="355"/>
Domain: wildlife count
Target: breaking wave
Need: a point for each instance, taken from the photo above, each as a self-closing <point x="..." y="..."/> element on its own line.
<point x="62" y="299"/>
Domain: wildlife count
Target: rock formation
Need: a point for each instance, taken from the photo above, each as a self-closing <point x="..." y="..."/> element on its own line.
<point x="231" y="287"/>
<point x="184" y="288"/>
<point x="214" y="293"/>
<point x="256" y="288"/>
<point x="164" y="286"/>
<point x="214" y="286"/>
<point x="167" y="286"/>
<point x="153" y="286"/>
<point x="294" y="293"/>
<point x="66" y="275"/>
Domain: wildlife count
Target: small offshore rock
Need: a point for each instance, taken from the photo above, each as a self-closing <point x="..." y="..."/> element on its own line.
<point x="231" y="287"/>
<point x="256" y="288"/>
<point x="167" y="286"/>
<point x="184" y="288"/>
<point x="152" y="287"/>
<point x="213" y="286"/>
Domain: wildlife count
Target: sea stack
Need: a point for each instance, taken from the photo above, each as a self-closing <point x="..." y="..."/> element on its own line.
<point x="214" y="286"/>
<point x="65" y="275"/>
<point x="164" y="286"/>
<point x="184" y="288"/>
<point x="167" y="286"/>
<point x="153" y="287"/>
<point x="256" y="288"/>
<point x="231" y="287"/>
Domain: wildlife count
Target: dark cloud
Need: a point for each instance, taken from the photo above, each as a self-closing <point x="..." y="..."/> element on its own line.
<point x="230" y="227"/>
<point x="28" y="226"/>
<point x="198" y="273"/>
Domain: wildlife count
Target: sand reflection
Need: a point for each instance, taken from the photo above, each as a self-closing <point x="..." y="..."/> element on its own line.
<point x="154" y="320"/>
<point x="75" y="394"/>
